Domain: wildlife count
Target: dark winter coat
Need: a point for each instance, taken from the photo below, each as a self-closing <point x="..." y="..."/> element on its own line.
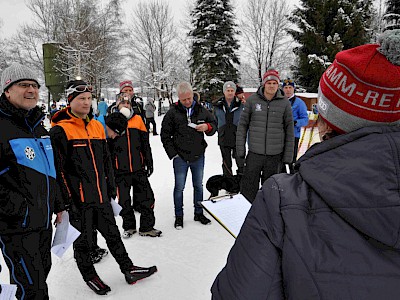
<point x="131" y="151"/>
<point x="83" y="162"/>
<point x="180" y="139"/>
<point x="268" y="125"/>
<point x="300" y="115"/>
<point x="227" y="120"/>
<point x="329" y="232"/>
<point x="29" y="193"/>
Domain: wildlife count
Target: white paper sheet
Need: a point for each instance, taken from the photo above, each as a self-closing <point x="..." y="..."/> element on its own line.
<point x="65" y="235"/>
<point x="116" y="207"/>
<point x="229" y="211"/>
<point x="8" y="291"/>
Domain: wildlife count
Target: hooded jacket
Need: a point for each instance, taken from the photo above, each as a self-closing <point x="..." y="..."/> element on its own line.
<point x="331" y="231"/>
<point x="83" y="160"/>
<point x="180" y="139"/>
<point x="227" y="120"/>
<point x="268" y="126"/>
<point x="29" y="193"/>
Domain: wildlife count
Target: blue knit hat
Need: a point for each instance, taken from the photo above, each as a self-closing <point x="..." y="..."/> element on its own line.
<point x="288" y="81"/>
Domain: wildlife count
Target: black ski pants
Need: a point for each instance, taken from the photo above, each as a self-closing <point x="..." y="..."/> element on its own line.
<point x="28" y="258"/>
<point x="258" y="167"/>
<point x="142" y="200"/>
<point x="101" y="217"/>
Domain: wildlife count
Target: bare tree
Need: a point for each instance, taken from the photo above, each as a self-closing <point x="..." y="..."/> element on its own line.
<point x="88" y="35"/>
<point x="264" y="27"/>
<point x="153" y="36"/>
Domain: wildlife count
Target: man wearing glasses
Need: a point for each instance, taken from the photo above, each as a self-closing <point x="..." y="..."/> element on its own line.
<point x="85" y="174"/>
<point x="29" y="193"/>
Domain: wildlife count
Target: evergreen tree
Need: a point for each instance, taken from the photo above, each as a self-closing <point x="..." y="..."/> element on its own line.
<point x="324" y="29"/>
<point x="213" y="58"/>
<point x="392" y="16"/>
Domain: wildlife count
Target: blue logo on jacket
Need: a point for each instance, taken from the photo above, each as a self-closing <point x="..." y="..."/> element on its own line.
<point x="36" y="154"/>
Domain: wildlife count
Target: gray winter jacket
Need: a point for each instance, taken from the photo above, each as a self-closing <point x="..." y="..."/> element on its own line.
<point x="330" y="232"/>
<point x="269" y="125"/>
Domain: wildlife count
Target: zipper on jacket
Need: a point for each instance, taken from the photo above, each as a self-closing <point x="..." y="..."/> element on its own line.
<point x="22" y="262"/>
<point x="26" y="217"/>
<point x="266" y="129"/>
<point x="48" y="184"/>
<point x="95" y="168"/>
<point x="4" y="171"/>
<point x="129" y="149"/>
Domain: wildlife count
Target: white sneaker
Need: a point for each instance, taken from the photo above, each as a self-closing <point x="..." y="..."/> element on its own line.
<point x="128" y="233"/>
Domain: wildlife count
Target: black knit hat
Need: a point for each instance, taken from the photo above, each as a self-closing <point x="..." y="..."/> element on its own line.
<point x="76" y="87"/>
<point x="117" y="122"/>
<point x="239" y="90"/>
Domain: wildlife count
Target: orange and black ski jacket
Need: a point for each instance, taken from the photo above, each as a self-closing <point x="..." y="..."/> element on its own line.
<point x="131" y="151"/>
<point x="84" y="167"/>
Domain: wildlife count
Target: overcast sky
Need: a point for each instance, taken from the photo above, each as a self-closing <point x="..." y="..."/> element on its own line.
<point x="13" y="13"/>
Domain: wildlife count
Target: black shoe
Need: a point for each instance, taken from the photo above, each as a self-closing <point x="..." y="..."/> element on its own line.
<point x="202" y="219"/>
<point x="137" y="273"/>
<point x="101" y="252"/>
<point x="152" y="232"/>
<point x="95" y="257"/>
<point x="155" y="133"/>
<point x="178" y="222"/>
<point x="98" y="286"/>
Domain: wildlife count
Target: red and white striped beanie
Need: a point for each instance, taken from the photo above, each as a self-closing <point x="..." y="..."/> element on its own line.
<point x="362" y="86"/>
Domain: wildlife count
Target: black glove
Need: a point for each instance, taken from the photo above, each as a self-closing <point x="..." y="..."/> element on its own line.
<point x="148" y="169"/>
<point x="295" y="123"/>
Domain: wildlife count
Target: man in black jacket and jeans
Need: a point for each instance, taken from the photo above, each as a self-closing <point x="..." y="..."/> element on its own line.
<point x="182" y="135"/>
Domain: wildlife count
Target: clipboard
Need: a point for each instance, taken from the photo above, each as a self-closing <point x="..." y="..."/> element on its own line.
<point x="229" y="210"/>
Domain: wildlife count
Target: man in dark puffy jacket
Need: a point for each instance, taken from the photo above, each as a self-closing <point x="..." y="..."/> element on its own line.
<point x="268" y="123"/>
<point x="182" y="135"/>
<point x="331" y="230"/>
<point x="29" y="193"/>
<point x="227" y="112"/>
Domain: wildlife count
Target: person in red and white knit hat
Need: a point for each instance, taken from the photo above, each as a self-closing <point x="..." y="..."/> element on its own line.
<point x="266" y="124"/>
<point x="331" y="230"/>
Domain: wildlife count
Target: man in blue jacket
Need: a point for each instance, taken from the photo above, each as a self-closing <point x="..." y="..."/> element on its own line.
<point x="299" y="111"/>
<point x="29" y="193"/>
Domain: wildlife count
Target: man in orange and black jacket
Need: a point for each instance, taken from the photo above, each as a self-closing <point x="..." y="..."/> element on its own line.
<point x="85" y="172"/>
<point x="133" y="164"/>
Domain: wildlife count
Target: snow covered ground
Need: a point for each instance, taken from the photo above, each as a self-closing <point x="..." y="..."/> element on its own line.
<point x="188" y="260"/>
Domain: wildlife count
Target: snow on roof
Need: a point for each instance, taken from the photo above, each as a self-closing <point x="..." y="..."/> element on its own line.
<point x="307" y="95"/>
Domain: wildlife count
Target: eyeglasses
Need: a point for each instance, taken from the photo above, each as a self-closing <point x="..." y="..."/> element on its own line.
<point x="79" y="89"/>
<point x="25" y="85"/>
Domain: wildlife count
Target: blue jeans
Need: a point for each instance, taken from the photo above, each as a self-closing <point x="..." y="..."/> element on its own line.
<point x="180" y="170"/>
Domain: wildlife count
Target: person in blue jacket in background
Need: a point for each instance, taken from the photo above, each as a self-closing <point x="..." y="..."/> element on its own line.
<point x="300" y="115"/>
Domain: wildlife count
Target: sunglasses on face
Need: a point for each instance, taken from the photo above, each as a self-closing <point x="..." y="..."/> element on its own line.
<point x="25" y="85"/>
<point x="79" y="89"/>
